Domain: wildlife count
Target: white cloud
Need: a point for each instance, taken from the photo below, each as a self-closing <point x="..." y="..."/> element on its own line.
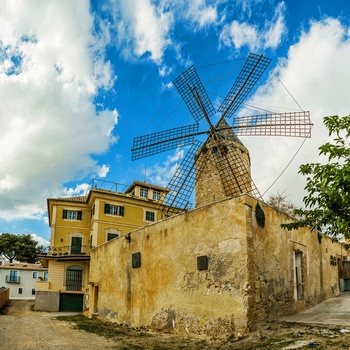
<point x="142" y="28"/>
<point x="316" y="74"/>
<point x="240" y="34"/>
<point x="40" y="240"/>
<point x="103" y="171"/>
<point x="162" y="174"/>
<point x="199" y="12"/>
<point x="79" y="190"/>
<point x="51" y="68"/>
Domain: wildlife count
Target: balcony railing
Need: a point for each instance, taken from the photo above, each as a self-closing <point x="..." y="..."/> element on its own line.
<point x="12" y="279"/>
<point x="79" y="250"/>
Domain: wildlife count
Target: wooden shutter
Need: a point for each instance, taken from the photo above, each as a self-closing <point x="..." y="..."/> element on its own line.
<point x="64" y="214"/>
<point x="106" y="208"/>
<point x="121" y="211"/>
<point x="79" y="215"/>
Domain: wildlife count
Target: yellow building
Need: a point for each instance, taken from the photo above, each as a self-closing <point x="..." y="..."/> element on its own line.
<point x="81" y="223"/>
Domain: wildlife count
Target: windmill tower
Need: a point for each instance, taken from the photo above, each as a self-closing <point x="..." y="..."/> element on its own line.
<point x="223" y="167"/>
<point x="219" y="167"/>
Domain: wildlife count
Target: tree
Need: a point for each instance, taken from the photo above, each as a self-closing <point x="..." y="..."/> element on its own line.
<point x="280" y="202"/>
<point x="20" y="248"/>
<point x="328" y="185"/>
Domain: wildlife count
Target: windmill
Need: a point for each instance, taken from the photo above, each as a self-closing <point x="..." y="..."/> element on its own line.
<point x="220" y="166"/>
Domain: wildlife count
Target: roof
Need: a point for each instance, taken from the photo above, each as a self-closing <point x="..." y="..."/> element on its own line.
<point x="147" y="185"/>
<point x="80" y="199"/>
<point x="22" y="266"/>
<point x="225" y="131"/>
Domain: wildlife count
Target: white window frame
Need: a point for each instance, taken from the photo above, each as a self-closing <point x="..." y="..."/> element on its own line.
<point x="156" y="195"/>
<point x="46" y="276"/>
<point x="20" y="290"/>
<point x="35" y="274"/>
<point x="114" y="210"/>
<point x="143" y="192"/>
<point x="33" y="291"/>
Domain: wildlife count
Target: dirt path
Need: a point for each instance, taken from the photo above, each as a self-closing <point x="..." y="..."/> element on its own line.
<point x="24" y="329"/>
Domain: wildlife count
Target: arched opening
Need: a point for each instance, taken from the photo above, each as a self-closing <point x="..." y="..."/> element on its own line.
<point x="74" y="278"/>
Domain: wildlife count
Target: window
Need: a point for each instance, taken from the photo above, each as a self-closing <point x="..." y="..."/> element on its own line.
<point x="144" y="192"/>
<point x="74" y="278"/>
<point x="72" y="215"/>
<point x="20" y="290"/>
<point x="298" y="275"/>
<point x="111" y="236"/>
<point x="156" y="195"/>
<point x="114" y="209"/>
<point x="76" y="245"/>
<point x="149" y="215"/>
<point x="33" y="291"/>
<point x="35" y="274"/>
<point x="46" y="276"/>
<point x="14" y="276"/>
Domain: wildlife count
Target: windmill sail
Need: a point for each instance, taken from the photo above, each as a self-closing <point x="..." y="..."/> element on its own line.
<point x="219" y="167"/>
<point x="247" y="78"/>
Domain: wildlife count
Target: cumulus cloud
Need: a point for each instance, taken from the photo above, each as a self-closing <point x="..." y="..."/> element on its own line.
<point x="198" y="12"/>
<point x="240" y="34"/>
<point x="162" y="174"/>
<point x="51" y="68"/>
<point x="142" y="28"/>
<point x="316" y="75"/>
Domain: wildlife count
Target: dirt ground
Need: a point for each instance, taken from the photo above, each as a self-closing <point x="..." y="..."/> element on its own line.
<point x="24" y="329"/>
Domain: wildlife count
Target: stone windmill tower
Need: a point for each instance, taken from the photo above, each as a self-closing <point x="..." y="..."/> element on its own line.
<point x="219" y="167"/>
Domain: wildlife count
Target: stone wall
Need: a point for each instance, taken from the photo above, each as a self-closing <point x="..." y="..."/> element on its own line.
<point x="168" y="290"/>
<point x="271" y="259"/>
<point x="250" y="274"/>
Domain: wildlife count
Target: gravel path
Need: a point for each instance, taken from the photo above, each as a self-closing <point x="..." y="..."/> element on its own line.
<point x="24" y="329"/>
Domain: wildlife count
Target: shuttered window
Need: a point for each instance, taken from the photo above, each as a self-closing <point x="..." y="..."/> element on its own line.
<point x="72" y="215"/>
<point x="117" y="210"/>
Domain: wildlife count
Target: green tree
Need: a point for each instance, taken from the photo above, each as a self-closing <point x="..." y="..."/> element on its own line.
<point x="327" y="203"/>
<point x="21" y="248"/>
<point x="280" y="202"/>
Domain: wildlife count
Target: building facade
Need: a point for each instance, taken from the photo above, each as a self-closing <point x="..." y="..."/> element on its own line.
<point x="79" y="224"/>
<point x="22" y="278"/>
<point x="218" y="269"/>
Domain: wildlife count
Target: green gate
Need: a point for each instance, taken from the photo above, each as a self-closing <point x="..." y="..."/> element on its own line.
<point x="71" y="302"/>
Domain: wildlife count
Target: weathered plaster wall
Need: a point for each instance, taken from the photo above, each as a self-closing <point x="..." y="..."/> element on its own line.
<point x="168" y="291"/>
<point x="271" y="252"/>
<point x="250" y="276"/>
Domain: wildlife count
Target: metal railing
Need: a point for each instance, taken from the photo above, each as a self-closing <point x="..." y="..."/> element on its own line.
<point x="12" y="279"/>
<point x="67" y="250"/>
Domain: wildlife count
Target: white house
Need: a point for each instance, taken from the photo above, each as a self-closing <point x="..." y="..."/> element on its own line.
<point x="21" y="279"/>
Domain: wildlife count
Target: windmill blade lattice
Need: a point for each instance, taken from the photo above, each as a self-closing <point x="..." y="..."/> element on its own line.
<point x="247" y="78"/>
<point x="292" y="124"/>
<point x="182" y="183"/>
<point x="193" y="93"/>
<point x="148" y="145"/>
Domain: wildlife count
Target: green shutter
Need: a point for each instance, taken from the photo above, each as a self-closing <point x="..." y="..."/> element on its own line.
<point x="79" y="215"/>
<point x="64" y="214"/>
<point x="106" y="208"/>
<point x="121" y="211"/>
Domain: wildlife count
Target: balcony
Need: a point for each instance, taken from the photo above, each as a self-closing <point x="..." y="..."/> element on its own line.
<point x="72" y="250"/>
<point x="12" y="279"/>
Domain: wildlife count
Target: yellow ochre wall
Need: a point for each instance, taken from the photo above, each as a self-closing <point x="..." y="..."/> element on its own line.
<point x="250" y="275"/>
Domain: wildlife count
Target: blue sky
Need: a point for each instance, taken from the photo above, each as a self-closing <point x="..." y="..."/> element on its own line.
<point x="79" y="80"/>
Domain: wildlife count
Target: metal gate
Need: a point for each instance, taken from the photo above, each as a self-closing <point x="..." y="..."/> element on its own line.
<point x="71" y="302"/>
